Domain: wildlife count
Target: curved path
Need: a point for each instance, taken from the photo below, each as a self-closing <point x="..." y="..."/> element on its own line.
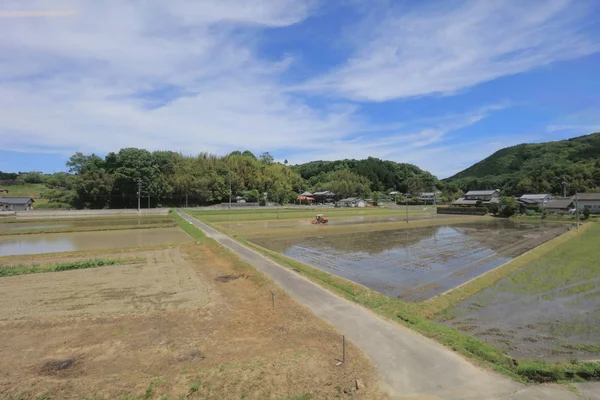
<point x="411" y="365"/>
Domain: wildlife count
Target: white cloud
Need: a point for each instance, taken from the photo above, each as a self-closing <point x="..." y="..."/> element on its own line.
<point x="79" y="75"/>
<point x="421" y="142"/>
<point x="178" y="75"/>
<point x="441" y="50"/>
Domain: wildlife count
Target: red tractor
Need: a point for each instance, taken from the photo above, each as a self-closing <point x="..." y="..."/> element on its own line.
<point x="320" y="219"/>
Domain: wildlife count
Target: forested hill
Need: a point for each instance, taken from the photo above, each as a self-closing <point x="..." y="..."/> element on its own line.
<point x="537" y="168"/>
<point x="167" y="178"/>
<point x="381" y="175"/>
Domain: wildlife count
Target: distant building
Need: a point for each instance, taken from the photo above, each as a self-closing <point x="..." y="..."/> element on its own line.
<point x="16" y="203"/>
<point x="4" y="191"/>
<point x="429" y="197"/>
<point x="351" y="202"/>
<point x="472" y="197"/>
<point x="559" y="206"/>
<point x="326" y="196"/>
<point x="538" y="200"/>
<point x="591" y="201"/>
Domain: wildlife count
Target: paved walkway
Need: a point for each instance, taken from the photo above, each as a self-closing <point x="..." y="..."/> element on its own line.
<point x="411" y="366"/>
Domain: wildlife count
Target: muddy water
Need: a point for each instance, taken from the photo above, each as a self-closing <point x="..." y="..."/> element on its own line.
<point x="419" y="263"/>
<point x="550" y="325"/>
<point x="60" y="242"/>
<point x="71" y="224"/>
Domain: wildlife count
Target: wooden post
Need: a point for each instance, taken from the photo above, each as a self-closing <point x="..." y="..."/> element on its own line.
<point x="343" y="348"/>
<point x="273" y="299"/>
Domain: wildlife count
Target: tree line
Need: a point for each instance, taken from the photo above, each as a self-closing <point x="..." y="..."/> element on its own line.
<point x="168" y="178"/>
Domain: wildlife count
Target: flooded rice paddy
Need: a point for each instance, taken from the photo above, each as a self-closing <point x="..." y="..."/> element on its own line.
<point x="415" y="264"/>
<point x="99" y="240"/>
<point x="549" y="308"/>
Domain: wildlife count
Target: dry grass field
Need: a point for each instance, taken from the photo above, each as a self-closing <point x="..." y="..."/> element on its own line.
<point x="189" y="322"/>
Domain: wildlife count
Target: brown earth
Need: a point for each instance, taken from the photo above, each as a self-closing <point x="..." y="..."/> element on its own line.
<point x="173" y="327"/>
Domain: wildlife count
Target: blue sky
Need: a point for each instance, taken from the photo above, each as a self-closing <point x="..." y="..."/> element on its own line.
<point x="438" y="84"/>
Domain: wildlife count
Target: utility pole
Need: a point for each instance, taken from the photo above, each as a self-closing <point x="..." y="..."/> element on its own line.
<point x="564" y="187"/>
<point x="577" y="208"/>
<point x="148" y="200"/>
<point x="406" y="202"/>
<point x="230" y="189"/>
<point x="139" y="193"/>
<point x="186" y="202"/>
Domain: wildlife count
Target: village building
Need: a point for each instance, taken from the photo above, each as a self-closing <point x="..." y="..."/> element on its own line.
<point x="559" y="205"/>
<point x="16" y="203"/>
<point x="591" y="201"/>
<point x="429" y="197"/>
<point x="326" y="196"/>
<point x="534" y="200"/>
<point x="473" y="197"/>
<point x="351" y="202"/>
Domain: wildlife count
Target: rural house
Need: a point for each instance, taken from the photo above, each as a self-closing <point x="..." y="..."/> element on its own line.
<point x="471" y="198"/>
<point x="324" y="197"/>
<point x="429" y="197"/>
<point x="535" y="200"/>
<point x="4" y="191"/>
<point x="16" y="203"/>
<point x="351" y="202"/>
<point x="559" y="206"/>
<point x="591" y="201"/>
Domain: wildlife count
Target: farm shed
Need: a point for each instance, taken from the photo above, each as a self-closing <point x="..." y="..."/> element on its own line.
<point x="16" y="203"/>
<point x="559" y="205"/>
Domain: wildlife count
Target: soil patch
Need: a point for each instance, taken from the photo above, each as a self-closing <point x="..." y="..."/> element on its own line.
<point x="171" y="332"/>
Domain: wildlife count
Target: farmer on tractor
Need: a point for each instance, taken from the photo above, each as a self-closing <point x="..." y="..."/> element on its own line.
<point x="320" y="219"/>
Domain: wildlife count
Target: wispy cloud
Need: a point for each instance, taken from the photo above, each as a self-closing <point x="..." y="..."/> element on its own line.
<point x="192" y="76"/>
<point x="442" y="48"/>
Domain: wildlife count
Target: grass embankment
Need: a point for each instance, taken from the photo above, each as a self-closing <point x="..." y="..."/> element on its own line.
<point x="284" y="213"/>
<point x="416" y="315"/>
<point x="82" y="264"/>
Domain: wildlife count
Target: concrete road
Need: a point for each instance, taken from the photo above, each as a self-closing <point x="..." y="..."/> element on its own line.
<point x="411" y="365"/>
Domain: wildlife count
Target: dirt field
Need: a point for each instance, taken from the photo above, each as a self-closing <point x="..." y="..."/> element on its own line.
<point x="191" y="322"/>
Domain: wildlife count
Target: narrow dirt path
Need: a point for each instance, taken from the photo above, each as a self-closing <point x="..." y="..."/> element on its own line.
<point x="411" y="366"/>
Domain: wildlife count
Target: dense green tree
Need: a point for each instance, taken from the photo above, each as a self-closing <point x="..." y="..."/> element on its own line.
<point x="508" y="206"/>
<point x="537" y="168"/>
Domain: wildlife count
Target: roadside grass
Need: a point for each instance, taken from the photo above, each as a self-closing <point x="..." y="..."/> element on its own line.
<point x="81" y="264"/>
<point x="96" y="228"/>
<point x="417" y="316"/>
<point x="283" y="213"/>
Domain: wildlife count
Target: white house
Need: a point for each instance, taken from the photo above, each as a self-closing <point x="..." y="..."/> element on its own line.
<point x="539" y="200"/>
<point x="590" y="201"/>
<point x="473" y="196"/>
<point x="429" y="196"/>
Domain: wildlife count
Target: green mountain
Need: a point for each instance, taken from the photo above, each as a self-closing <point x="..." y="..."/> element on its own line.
<point x="537" y="168"/>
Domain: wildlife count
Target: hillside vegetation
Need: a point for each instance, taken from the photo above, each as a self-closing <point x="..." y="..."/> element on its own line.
<point x="167" y="178"/>
<point x="537" y="168"/>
